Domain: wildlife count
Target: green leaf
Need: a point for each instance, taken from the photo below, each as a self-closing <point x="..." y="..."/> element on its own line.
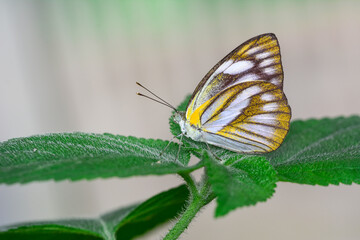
<point x="240" y="181"/>
<point x="124" y="223"/>
<point x="66" y="229"/>
<point x="77" y="156"/>
<point x="163" y="207"/>
<point x="325" y="151"/>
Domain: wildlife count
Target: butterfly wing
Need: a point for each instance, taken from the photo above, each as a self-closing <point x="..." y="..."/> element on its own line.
<point x="250" y="117"/>
<point x="257" y="58"/>
<point x="240" y="104"/>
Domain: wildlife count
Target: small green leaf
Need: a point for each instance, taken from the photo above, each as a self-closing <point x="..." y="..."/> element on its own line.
<point x="149" y="214"/>
<point x="325" y="151"/>
<point x="124" y="223"/>
<point x="241" y="181"/>
<point x="77" y="156"/>
<point x="66" y="229"/>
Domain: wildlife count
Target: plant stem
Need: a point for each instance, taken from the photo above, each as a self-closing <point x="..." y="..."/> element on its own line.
<point x="197" y="200"/>
<point x="184" y="220"/>
<point x="190" y="183"/>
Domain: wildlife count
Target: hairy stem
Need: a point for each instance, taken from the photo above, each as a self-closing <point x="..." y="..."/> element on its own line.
<point x="198" y="199"/>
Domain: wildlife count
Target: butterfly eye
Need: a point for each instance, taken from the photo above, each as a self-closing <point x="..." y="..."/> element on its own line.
<point x="177" y="117"/>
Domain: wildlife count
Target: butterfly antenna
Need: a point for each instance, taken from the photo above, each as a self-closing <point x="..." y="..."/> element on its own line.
<point x="162" y="101"/>
<point x="142" y="95"/>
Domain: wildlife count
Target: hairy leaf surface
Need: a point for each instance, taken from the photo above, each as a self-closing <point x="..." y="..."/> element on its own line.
<point x="241" y="181"/>
<point x="325" y="151"/>
<point x="77" y="156"/>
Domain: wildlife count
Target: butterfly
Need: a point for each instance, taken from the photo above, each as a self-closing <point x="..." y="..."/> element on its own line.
<point x="240" y="105"/>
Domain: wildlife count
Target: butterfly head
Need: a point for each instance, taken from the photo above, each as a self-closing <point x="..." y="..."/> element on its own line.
<point x="179" y="118"/>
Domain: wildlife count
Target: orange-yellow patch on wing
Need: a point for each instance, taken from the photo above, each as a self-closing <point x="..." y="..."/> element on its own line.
<point x="190" y="108"/>
<point x="194" y="115"/>
<point x="211" y="106"/>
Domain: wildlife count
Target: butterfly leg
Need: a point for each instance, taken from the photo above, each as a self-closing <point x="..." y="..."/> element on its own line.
<point x="213" y="153"/>
<point x="171" y="140"/>
<point x="180" y="144"/>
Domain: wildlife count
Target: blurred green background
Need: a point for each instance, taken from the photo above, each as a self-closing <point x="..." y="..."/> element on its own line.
<point x="72" y="66"/>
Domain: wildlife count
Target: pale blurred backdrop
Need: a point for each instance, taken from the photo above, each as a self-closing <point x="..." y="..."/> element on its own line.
<point x="72" y="65"/>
